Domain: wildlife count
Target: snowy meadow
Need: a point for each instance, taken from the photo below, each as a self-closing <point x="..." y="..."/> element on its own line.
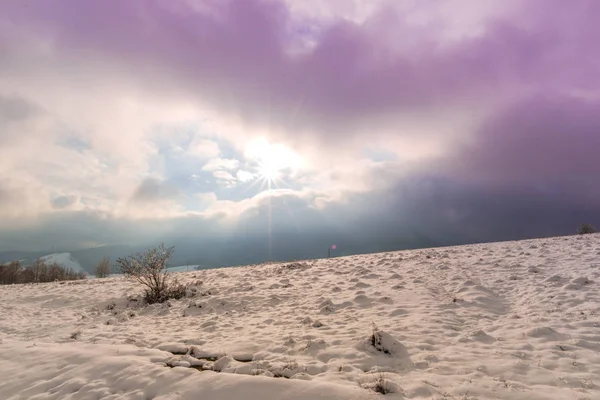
<point x="510" y="320"/>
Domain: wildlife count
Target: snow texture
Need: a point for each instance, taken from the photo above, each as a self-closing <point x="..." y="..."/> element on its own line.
<point x="511" y="320"/>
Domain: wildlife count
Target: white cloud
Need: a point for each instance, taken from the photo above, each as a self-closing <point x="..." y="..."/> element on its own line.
<point x="352" y="10"/>
<point x="205" y="200"/>
<point x="207" y="197"/>
<point x="220" y="164"/>
<point x="233" y="209"/>
<point x="223" y="175"/>
<point x="225" y="179"/>
<point x="244" y="176"/>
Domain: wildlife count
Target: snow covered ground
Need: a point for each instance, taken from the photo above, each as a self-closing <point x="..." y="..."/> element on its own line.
<point x="513" y="320"/>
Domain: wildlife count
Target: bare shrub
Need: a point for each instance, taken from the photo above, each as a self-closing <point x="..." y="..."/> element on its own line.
<point x="177" y="291"/>
<point x="9" y="273"/>
<point x="375" y="338"/>
<point x="300" y="266"/>
<point x="149" y="268"/>
<point x="585" y="229"/>
<point x="103" y="268"/>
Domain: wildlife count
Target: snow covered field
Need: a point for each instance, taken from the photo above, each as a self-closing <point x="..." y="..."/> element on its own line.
<point x="514" y="320"/>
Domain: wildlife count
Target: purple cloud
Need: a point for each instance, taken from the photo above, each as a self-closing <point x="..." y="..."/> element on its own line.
<point x="542" y="141"/>
<point x="234" y="54"/>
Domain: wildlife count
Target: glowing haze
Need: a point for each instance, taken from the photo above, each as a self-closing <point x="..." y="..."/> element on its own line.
<point x="379" y="124"/>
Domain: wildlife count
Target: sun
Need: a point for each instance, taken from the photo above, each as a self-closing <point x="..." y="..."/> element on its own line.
<point x="269" y="172"/>
<point x="274" y="161"/>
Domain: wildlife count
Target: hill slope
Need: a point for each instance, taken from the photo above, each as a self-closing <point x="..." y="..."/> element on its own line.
<point x="511" y="320"/>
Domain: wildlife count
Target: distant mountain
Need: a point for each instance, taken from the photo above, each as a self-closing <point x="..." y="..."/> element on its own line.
<point x="88" y="258"/>
<point x="241" y="249"/>
<point x="64" y="259"/>
<point x="26" y="257"/>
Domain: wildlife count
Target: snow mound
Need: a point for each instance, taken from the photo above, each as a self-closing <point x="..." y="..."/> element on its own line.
<point x="386" y="344"/>
<point x="175" y="348"/>
<point x="582" y="280"/>
<point x="554" y="278"/>
<point x="544" y="332"/>
<point x="578" y="283"/>
<point x="479" y="336"/>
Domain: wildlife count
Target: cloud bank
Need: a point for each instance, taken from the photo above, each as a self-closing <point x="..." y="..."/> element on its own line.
<point x="370" y="123"/>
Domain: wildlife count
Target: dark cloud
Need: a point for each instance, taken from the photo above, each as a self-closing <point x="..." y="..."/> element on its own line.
<point x="14" y="108"/>
<point x="153" y="190"/>
<point x="547" y="142"/>
<point x="421" y="212"/>
<point x="72" y="230"/>
<point x="14" y="111"/>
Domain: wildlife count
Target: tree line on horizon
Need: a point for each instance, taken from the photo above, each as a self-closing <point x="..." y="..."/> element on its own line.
<point x="39" y="271"/>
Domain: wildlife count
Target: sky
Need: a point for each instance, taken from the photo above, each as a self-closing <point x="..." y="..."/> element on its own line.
<point x="363" y="123"/>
